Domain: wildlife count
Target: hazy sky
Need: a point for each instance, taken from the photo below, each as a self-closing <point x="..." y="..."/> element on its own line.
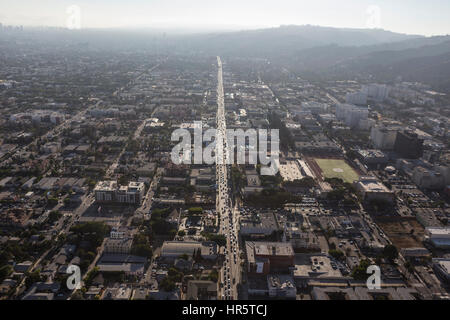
<point x="428" y="17"/>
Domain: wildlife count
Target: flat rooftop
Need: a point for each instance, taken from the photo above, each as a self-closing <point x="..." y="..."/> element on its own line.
<point x="314" y="266"/>
<point x="106" y="186"/>
<point x="269" y="248"/>
<point x="371" y="184"/>
<point x="439" y="231"/>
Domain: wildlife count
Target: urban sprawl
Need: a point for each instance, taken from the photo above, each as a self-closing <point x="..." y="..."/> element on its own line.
<point x="86" y="179"/>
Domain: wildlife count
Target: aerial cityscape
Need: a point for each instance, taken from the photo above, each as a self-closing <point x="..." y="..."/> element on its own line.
<point x="264" y="162"/>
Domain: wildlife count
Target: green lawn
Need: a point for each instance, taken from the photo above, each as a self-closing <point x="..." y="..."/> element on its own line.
<point x="334" y="168"/>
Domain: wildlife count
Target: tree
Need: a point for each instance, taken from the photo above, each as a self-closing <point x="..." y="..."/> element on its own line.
<point x="184" y="256"/>
<point x="33" y="277"/>
<point x="5" y="271"/>
<point x="195" y="210"/>
<point x="123" y="180"/>
<point x="220" y="239"/>
<point x="90" y="276"/>
<point x="54" y="216"/>
<point x="167" y="285"/>
<point x="390" y="252"/>
<point x="306" y="182"/>
<point x="409" y="267"/>
<point x="141" y="246"/>
<point x="337" y="254"/>
<point x="94" y="232"/>
<point x="198" y="255"/>
<point x="360" y="272"/>
<point x="143" y="250"/>
<point x="172" y="233"/>
<point x="352" y="154"/>
<point x="77" y="295"/>
<point x="175" y="275"/>
<point x="213" y="275"/>
<point x="337" y="194"/>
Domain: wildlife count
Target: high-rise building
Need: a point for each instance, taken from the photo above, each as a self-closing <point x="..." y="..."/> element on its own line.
<point x="383" y="137"/>
<point x="377" y="92"/>
<point x="358" y="98"/>
<point x="408" y="145"/>
<point x="351" y="115"/>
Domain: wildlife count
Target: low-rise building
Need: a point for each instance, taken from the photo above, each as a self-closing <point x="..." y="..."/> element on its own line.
<point x="172" y="250"/>
<point x="372" y="189"/>
<point x="267" y="257"/>
<point x="439" y="237"/>
<point x="201" y="290"/>
<point x="122" y="245"/>
<point x="428" y="179"/>
<point x="442" y="268"/>
<point x="110" y="192"/>
<point x="281" y="286"/>
<point x="258" y="225"/>
<point x="372" y="157"/>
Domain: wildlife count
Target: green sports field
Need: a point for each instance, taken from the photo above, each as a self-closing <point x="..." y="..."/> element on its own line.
<point x="335" y="168"/>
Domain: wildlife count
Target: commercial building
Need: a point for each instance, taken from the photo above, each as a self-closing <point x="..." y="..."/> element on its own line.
<point x="268" y="257"/>
<point x="439" y="237"/>
<point x="415" y="253"/>
<point x="408" y="145"/>
<point x="172" y="250"/>
<point x="372" y="189"/>
<point x="281" y="286"/>
<point x="372" y="157"/>
<point x="315" y="147"/>
<point x="105" y="191"/>
<point x="383" y="137"/>
<point x="428" y="179"/>
<point x="357" y="98"/>
<point x="353" y="116"/>
<point x="442" y="268"/>
<point x="313" y="268"/>
<point x="445" y="171"/>
<point x="258" y="225"/>
<point x="201" y="290"/>
<point x="363" y="293"/>
<point x="377" y="92"/>
<point x="275" y="286"/>
<point x="110" y="192"/>
<point x="133" y="193"/>
<point x="119" y="242"/>
<point x="315" y="107"/>
<point x="122" y="246"/>
<point x="129" y="264"/>
<point x="301" y="240"/>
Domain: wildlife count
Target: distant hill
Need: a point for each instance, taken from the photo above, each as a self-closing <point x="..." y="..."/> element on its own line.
<point x="311" y="51"/>
<point x="429" y="64"/>
<point x="342" y="53"/>
<point x="426" y="60"/>
<point x="290" y="39"/>
<point x="323" y="57"/>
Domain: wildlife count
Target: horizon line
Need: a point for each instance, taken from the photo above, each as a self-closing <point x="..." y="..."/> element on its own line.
<point x="192" y="29"/>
